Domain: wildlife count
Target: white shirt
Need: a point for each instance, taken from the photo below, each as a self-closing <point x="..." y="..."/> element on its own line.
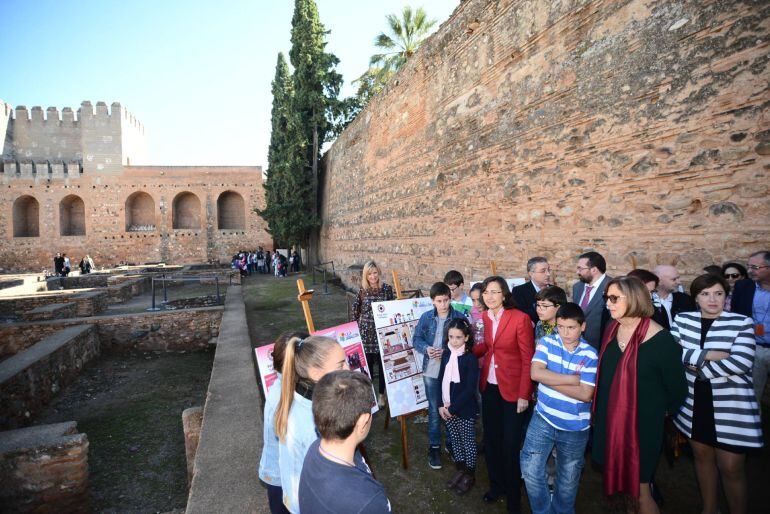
<point x="594" y="288"/>
<point x="667" y="304"/>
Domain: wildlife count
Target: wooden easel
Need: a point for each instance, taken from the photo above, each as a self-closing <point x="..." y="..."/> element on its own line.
<point x="493" y="267"/>
<point x="304" y="297"/>
<point x="404" y="417"/>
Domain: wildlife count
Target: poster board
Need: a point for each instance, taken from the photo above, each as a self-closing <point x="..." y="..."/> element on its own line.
<point x="395" y="322"/>
<point x="347" y="336"/>
<point x="267" y="374"/>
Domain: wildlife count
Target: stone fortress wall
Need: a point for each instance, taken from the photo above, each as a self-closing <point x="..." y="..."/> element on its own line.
<point x="530" y="127"/>
<point x="76" y="185"/>
<point x="97" y="139"/>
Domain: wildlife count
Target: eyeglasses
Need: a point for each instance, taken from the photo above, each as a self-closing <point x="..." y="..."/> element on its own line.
<point x="612" y="298"/>
<point x="547" y="270"/>
<point x="755" y="267"/>
<point x="581" y="268"/>
<point x="454" y="288"/>
<point x="545" y="305"/>
<point x="732" y="275"/>
<point x="490" y="291"/>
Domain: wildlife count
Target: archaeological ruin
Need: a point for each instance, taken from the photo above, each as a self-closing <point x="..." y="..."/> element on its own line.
<point x="520" y="128"/>
<point x="74" y="184"/>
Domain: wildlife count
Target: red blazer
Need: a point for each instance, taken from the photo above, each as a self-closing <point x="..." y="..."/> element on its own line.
<point x="513" y="348"/>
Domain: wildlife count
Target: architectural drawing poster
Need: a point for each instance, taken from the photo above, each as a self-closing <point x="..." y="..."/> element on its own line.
<point x="395" y="322"/>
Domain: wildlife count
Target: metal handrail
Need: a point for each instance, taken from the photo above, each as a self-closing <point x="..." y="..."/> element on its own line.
<point x="319" y="267"/>
<point x="181" y="279"/>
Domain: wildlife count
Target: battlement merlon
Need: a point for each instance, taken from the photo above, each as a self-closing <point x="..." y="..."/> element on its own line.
<point x="52" y="113"/>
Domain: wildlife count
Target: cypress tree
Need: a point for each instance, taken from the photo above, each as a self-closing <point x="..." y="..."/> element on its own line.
<point x="279" y="153"/>
<point x="315" y="103"/>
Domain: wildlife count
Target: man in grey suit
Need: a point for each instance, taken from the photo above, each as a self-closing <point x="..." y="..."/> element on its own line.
<point x="588" y="292"/>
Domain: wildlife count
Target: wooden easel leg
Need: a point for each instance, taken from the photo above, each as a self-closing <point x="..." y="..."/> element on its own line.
<point x="387" y="416"/>
<point x="404" y="449"/>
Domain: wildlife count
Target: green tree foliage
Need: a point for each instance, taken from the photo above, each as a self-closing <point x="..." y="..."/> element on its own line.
<point x="306" y="108"/>
<point x="404" y="36"/>
<point x="315" y="105"/>
<point x="279" y="154"/>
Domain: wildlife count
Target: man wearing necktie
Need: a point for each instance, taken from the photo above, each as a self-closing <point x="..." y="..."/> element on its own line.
<point x="588" y="292"/>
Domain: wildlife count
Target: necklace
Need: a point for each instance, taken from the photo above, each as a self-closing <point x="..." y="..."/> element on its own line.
<point x="335" y="458"/>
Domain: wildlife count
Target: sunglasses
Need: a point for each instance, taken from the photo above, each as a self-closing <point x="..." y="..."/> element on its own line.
<point x="612" y="298"/>
<point x="732" y="275"/>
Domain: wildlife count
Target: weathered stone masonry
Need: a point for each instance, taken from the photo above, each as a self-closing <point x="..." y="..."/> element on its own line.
<point x="73" y="185"/>
<point x="548" y="128"/>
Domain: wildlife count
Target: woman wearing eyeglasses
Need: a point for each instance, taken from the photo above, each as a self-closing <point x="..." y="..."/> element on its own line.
<point x="506" y="388"/>
<point x="732" y="272"/>
<point x="720" y="415"/>
<point x="640" y="378"/>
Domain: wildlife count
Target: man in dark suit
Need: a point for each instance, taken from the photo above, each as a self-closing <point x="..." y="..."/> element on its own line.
<point x="539" y="272"/>
<point x="672" y="301"/>
<point x="588" y="292"/>
<point x="751" y="297"/>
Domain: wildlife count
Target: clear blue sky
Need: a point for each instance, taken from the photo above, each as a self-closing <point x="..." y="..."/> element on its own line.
<point x="196" y="73"/>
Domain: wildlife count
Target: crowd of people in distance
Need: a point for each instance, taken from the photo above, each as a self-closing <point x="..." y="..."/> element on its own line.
<point x="62" y="266"/>
<point x="262" y="261"/>
<point x="609" y="374"/>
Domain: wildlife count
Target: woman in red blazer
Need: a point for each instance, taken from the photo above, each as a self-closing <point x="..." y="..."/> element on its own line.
<point x="506" y="388"/>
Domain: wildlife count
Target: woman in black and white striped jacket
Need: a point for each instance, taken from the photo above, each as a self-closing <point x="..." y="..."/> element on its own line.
<point x="720" y="415"/>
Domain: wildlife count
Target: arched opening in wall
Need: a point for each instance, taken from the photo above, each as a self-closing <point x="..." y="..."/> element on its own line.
<point x="140" y="212"/>
<point x="230" y="211"/>
<point x="72" y="216"/>
<point x="26" y="217"/>
<point x="186" y="212"/>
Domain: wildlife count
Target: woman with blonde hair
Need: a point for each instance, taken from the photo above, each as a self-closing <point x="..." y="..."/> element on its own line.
<point x="305" y="362"/>
<point x="639" y="380"/>
<point x="372" y="290"/>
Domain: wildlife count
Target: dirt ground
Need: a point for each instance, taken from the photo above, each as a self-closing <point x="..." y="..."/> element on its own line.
<point x="130" y="406"/>
<point x="272" y="308"/>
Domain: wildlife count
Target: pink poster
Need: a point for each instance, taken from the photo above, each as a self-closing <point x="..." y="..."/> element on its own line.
<point x="347" y="336"/>
<point x="267" y="374"/>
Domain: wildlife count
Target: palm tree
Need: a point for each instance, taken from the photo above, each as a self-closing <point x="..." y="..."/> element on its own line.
<point x="406" y="35"/>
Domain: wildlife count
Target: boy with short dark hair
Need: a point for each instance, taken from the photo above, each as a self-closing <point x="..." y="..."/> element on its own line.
<point x="454" y="279"/>
<point x="335" y="478"/>
<point x="564" y="364"/>
<point x="430" y="338"/>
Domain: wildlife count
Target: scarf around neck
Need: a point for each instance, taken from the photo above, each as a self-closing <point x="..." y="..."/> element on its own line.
<point x="451" y="373"/>
<point x="621" y="449"/>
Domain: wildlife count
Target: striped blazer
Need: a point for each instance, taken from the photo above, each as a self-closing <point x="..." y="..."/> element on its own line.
<point x="736" y="413"/>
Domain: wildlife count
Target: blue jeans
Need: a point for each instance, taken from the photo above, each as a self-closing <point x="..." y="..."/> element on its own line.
<point x="570" y="455"/>
<point x="433" y="392"/>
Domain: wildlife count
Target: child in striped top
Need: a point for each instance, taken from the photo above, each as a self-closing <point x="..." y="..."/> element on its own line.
<point x="564" y="365"/>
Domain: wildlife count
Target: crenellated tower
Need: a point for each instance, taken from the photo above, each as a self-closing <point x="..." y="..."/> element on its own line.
<point x="100" y="139"/>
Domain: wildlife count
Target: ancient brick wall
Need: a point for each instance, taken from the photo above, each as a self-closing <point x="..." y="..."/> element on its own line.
<point x="129" y="216"/>
<point x="29" y="380"/>
<point x="100" y="139"/>
<point x="183" y="329"/>
<point x="44" y="469"/>
<point x="522" y="128"/>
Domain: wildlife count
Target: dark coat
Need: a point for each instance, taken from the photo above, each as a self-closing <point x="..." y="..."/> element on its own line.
<point x="681" y="303"/>
<point x="462" y="395"/>
<point x="524" y="296"/>
<point x="743" y="297"/>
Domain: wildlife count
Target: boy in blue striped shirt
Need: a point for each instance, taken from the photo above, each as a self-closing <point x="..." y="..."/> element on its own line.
<point x="564" y="365"/>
